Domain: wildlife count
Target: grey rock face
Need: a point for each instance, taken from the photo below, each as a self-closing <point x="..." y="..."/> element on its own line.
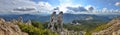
<point x="56" y="23"/>
<point x="28" y="22"/>
<point x="10" y="28"/>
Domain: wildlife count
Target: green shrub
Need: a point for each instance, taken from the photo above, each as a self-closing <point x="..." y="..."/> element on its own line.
<point x="31" y="30"/>
<point x="37" y="24"/>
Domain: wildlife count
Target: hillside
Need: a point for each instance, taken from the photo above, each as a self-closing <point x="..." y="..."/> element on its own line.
<point x="18" y="27"/>
<point x="111" y="28"/>
<point x="10" y="28"/>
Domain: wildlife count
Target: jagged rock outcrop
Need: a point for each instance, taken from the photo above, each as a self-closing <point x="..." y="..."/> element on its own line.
<point x="20" y="20"/>
<point x="14" y="21"/>
<point x="28" y="22"/>
<point x="56" y="22"/>
<point x="52" y="21"/>
<point x="2" y="20"/>
<point x="114" y="29"/>
<point x="10" y="28"/>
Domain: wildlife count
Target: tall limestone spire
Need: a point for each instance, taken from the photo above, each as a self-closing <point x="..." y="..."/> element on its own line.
<point x="56" y="23"/>
<point x="60" y="21"/>
<point x="52" y="21"/>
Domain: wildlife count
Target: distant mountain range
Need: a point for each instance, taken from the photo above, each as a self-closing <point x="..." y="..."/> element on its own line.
<point x="67" y="18"/>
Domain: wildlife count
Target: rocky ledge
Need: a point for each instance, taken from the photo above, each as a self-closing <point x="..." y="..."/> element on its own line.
<point x="10" y="28"/>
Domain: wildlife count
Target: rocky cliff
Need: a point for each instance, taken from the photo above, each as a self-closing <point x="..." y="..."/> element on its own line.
<point x="114" y="28"/>
<point x="10" y="28"/>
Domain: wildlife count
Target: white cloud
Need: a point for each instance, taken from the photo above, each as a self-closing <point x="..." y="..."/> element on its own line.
<point x="45" y="7"/>
<point x="90" y="7"/>
<point x="30" y="7"/>
<point x="77" y="9"/>
<point x="24" y="10"/>
<point x="66" y="3"/>
<point x="7" y="6"/>
<point x="23" y="7"/>
<point x="117" y="3"/>
<point x="103" y="11"/>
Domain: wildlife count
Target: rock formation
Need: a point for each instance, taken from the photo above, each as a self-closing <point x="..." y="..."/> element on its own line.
<point x="52" y="21"/>
<point x="60" y="21"/>
<point x="20" y="20"/>
<point x="10" y="28"/>
<point x="114" y="29"/>
<point x="2" y="20"/>
<point x="14" y="21"/>
<point x="56" y="23"/>
<point x="28" y="22"/>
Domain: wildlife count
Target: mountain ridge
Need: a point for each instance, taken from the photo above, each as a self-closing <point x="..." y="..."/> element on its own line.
<point x="67" y="17"/>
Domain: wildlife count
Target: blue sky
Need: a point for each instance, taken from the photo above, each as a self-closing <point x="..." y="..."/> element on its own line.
<point x="99" y="4"/>
<point x="67" y="6"/>
<point x="52" y="2"/>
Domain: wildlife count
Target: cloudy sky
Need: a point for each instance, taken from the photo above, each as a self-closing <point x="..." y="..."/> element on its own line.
<point x="67" y="6"/>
